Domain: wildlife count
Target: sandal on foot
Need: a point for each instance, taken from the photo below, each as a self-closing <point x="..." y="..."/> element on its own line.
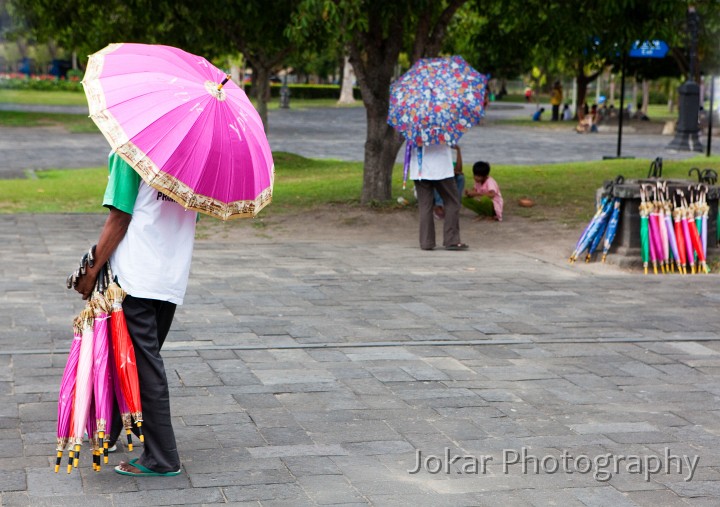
<point x="143" y="471"/>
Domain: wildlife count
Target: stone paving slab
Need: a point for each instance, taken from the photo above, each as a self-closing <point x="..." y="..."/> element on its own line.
<point x="554" y="386"/>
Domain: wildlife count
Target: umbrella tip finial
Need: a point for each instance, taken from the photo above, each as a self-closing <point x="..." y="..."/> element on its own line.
<point x="227" y="78"/>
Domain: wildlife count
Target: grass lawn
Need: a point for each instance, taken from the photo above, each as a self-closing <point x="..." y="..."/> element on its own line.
<point x="71" y="122"/>
<point x="563" y="192"/>
<point x="58" y="98"/>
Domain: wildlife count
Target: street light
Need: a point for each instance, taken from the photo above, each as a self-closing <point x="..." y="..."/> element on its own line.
<point x="686" y="134"/>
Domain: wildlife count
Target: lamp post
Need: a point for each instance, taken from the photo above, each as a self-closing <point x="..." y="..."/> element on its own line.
<point x="686" y="134"/>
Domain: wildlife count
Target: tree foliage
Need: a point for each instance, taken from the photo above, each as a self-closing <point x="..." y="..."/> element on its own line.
<point x="375" y="33"/>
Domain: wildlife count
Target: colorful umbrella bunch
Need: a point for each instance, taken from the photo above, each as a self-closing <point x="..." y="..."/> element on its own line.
<point x="100" y="369"/>
<point x="601" y="229"/>
<point x="673" y="229"/>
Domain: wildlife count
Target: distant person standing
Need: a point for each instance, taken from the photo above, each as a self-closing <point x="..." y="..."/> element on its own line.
<point x="434" y="171"/>
<point x="566" y="113"/>
<point x="528" y="94"/>
<point x="556" y="98"/>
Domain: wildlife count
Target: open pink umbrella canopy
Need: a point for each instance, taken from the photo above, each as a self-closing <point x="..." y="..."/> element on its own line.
<point x="167" y="113"/>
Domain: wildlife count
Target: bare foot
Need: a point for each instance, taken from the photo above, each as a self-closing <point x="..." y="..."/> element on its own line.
<point x="127" y="467"/>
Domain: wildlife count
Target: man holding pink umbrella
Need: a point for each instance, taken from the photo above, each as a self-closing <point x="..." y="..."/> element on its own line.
<point x="185" y="138"/>
<point x="148" y="239"/>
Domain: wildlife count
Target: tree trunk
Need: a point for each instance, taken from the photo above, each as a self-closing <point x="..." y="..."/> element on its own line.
<point x="635" y="94"/>
<point x="381" y="148"/>
<point x="645" y="96"/>
<point x="346" y="92"/>
<point x="261" y="92"/>
<point x="582" y="84"/>
<point x="612" y="90"/>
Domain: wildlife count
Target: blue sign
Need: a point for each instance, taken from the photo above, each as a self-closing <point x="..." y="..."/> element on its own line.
<point x="649" y="49"/>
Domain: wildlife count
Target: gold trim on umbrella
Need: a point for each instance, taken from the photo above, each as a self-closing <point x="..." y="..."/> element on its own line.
<point x="146" y="168"/>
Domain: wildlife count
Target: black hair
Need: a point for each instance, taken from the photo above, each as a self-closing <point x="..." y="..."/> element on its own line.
<point x="481" y="169"/>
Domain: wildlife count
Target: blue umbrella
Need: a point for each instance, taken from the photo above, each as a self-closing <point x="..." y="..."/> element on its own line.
<point x="612" y="228"/>
<point x="589" y="233"/>
<point x="598" y="237"/>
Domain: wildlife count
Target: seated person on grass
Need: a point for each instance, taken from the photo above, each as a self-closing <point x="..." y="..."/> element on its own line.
<point x="485" y="198"/>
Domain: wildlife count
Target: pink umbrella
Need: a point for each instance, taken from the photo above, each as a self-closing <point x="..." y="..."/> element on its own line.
<point x="188" y="131"/>
<point x="83" y="384"/>
<point x="67" y="394"/>
<point x="102" y="383"/>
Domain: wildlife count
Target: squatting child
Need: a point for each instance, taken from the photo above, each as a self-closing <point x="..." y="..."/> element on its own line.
<point x="484" y="198"/>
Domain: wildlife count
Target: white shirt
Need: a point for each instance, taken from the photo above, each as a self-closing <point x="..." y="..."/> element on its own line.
<point x="153" y="259"/>
<point x="437" y="163"/>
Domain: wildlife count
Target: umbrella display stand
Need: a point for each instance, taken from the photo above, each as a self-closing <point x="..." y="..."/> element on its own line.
<point x="626" y="251"/>
<point x="664" y="225"/>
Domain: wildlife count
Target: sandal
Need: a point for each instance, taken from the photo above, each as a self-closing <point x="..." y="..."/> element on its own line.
<point x="143" y="471"/>
<point x="459" y="246"/>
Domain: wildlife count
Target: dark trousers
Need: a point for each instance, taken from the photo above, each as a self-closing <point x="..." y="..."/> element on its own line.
<point x="148" y="323"/>
<point x="555" y="113"/>
<point x="447" y="189"/>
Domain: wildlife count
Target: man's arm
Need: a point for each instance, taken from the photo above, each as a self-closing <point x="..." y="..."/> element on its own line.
<point x="112" y="233"/>
<point x="458" y="160"/>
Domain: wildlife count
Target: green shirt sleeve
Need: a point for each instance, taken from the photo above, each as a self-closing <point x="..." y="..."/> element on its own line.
<point x="123" y="185"/>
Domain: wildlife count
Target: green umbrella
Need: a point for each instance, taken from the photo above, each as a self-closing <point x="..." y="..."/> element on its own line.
<point x="644" y="241"/>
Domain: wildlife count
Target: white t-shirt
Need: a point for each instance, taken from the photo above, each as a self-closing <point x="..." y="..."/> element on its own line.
<point x="153" y="259"/>
<point x="437" y="163"/>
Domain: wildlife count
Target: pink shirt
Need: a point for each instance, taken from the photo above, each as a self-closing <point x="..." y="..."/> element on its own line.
<point x="491" y="184"/>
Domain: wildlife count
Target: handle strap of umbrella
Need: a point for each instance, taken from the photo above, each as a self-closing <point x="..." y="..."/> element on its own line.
<point x="87" y="260"/>
<point x="406" y="166"/>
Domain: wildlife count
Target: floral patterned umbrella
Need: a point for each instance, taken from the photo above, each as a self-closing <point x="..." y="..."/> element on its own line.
<point x="437" y="100"/>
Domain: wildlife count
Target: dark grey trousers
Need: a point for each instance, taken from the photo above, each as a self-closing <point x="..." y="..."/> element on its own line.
<point x="447" y="189"/>
<point x="148" y="323"/>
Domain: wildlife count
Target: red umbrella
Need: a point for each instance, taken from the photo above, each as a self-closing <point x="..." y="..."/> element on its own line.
<point x="83" y="384"/>
<point x="67" y="394"/>
<point x="125" y="416"/>
<point x="102" y="383"/>
<point x="125" y="356"/>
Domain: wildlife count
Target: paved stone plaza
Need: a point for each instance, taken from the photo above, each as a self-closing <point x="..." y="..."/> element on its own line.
<point x="313" y="372"/>
<point x="354" y="369"/>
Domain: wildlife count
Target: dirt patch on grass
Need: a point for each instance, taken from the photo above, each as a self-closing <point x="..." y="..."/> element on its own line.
<point x="546" y="241"/>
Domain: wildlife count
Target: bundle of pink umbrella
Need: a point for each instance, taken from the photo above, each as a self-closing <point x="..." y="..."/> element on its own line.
<point x="673" y="232"/>
<point x="90" y="383"/>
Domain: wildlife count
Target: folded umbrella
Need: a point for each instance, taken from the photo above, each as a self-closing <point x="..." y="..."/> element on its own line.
<point x="672" y="240"/>
<point x="591" y="230"/>
<point x="83" y="385"/>
<point x="124" y="353"/>
<point x="102" y="383"/>
<point x="67" y="394"/>
<point x="681" y="258"/>
<point x="611" y="228"/>
<point x="123" y="409"/>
